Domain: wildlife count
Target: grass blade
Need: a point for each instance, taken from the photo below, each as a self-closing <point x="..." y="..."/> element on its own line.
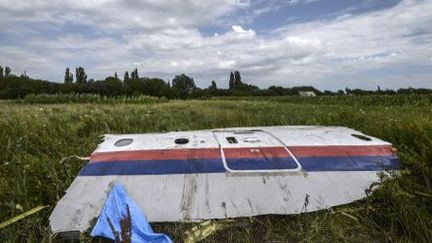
<point x="21" y="216"/>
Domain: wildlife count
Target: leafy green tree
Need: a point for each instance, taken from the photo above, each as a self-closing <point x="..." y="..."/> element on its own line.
<point x="184" y="84"/>
<point x="24" y="74"/>
<point x="115" y="75"/>
<point x="19" y="86"/>
<point x="154" y="86"/>
<point x="213" y="85"/>
<point x="168" y="92"/>
<point x="231" y="81"/>
<point x="134" y="86"/>
<point x="134" y="74"/>
<point x="328" y="92"/>
<point x="237" y="79"/>
<point x="68" y="77"/>
<point x="80" y="75"/>
<point x="113" y="86"/>
<point x="1" y="72"/>
<point x="126" y="76"/>
<point x="7" y="71"/>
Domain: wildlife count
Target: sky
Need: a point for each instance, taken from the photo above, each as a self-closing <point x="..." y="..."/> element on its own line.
<point x="325" y="43"/>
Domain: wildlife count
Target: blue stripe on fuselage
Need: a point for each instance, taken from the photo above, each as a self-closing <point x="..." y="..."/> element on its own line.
<point x="153" y="167"/>
<point x="261" y="163"/>
<point x="354" y="163"/>
<point x="309" y="164"/>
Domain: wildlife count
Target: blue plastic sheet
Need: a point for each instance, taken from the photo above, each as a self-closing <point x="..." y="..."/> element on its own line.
<point x="115" y="209"/>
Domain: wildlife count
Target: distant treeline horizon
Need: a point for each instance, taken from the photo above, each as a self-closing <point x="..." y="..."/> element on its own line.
<point x="182" y="86"/>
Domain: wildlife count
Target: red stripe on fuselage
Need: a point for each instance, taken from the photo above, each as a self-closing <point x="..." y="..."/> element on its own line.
<point x="158" y="154"/>
<point x="250" y="152"/>
<point x="205" y="153"/>
<point x="262" y="152"/>
<point x="322" y="151"/>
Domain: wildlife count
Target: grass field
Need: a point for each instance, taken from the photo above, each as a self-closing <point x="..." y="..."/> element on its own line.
<point x="35" y="137"/>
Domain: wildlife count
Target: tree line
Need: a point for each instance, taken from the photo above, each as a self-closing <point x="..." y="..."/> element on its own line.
<point x="181" y="86"/>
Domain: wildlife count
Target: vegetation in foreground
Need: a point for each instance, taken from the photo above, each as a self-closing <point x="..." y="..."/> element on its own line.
<point x="35" y="138"/>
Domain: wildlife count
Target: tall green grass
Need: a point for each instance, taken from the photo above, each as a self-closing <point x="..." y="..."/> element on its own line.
<point x="358" y="100"/>
<point x="35" y="137"/>
<point x="88" y="98"/>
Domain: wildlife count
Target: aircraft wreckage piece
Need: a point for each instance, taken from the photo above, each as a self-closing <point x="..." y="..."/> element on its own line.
<point x="226" y="173"/>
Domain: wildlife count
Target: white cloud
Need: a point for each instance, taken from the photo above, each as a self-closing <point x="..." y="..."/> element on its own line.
<point x="295" y="2"/>
<point x="163" y="38"/>
<point x="117" y="14"/>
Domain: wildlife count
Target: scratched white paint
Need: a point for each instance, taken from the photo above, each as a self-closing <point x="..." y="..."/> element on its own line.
<point x="289" y="135"/>
<point x="193" y="197"/>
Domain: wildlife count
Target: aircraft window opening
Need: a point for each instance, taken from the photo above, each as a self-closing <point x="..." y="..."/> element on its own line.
<point x="181" y="141"/>
<point x="123" y="142"/>
<point x="231" y="140"/>
<point x="362" y="137"/>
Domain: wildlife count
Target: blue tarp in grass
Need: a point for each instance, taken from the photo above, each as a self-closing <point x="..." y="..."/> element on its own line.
<point x="115" y="209"/>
